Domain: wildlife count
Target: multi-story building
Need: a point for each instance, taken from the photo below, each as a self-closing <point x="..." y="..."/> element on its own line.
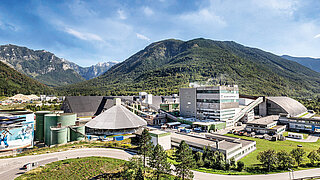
<point x="219" y="103"/>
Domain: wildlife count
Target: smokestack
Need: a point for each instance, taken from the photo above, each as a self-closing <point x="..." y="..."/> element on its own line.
<point x="217" y="144"/>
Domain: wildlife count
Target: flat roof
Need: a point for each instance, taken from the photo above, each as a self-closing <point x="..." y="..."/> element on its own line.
<point x="157" y="132"/>
<point x="207" y="123"/>
<point x="265" y="120"/>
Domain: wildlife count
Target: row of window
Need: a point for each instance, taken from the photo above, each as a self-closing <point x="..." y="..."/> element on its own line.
<point x="217" y="101"/>
<point x="216" y="91"/>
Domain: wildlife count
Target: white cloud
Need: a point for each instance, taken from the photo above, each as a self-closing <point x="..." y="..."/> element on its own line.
<point x="122" y="14"/>
<point x="140" y="36"/>
<point x="204" y="17"/>
<point x="83" y="36"/>
<point x="283" y="6"/>
<point x="148" y="11"/>
<point x="317" y="36"/>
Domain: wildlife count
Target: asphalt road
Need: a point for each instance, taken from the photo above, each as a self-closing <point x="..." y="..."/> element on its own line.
<point x="10" y="168"/>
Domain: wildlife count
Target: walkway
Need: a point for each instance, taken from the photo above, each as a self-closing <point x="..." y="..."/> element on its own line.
<point x="9" y="168"/>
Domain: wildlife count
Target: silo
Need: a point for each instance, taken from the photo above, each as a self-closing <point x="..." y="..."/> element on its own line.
<point x="49" y="121"/>
<point x="59" y="135"/>
<point x="77" y="133"/>
<point x="67" y="119"/>
<point x="40" y="125"/>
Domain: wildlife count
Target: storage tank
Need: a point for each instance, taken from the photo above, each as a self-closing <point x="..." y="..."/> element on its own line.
<point x="77" y="133"/>
<point x="59" y="135"/>
<point x="39" y="136"/>
<point x="67" y="119"/>
<point x="49" y="121"/>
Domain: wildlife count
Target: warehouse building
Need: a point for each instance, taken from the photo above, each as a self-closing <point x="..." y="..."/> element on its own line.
<point x="310" y="125"/>
<point x="115" y="120"/>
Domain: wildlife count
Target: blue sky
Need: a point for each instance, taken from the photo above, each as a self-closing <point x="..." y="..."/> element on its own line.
<point x="87" y="32"/>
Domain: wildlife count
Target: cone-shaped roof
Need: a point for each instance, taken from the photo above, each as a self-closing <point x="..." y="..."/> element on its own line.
<point x="117" y="117"/>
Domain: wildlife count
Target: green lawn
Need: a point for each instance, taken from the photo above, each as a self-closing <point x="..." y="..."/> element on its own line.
<point x="263" y="144"/>
<point x="82" y="168"/>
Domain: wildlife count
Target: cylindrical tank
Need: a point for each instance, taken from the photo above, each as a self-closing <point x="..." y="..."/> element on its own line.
<point x="49" y="121"/>
<point x="77" y="133"/>
<point x="67" y="119"/>
<point x="59" y="135"/>
<point x="39" y="136"/>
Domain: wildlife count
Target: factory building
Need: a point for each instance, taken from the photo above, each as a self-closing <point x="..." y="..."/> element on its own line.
<point x="310" y="125"/>
<point x="115" y="120"/>
<point x="220" y="103"/>
<point x="16" y="130"/>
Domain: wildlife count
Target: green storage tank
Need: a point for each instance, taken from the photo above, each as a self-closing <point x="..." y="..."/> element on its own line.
<point x="77" y="133"/>
<point x="67" y="119"/>
<point x="49" y="121"/>
<point x="39" y="134"/>
<point x="59" y="135"/>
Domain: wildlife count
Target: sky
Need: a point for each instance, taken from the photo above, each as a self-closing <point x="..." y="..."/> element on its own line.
<point x="92" y="31"/>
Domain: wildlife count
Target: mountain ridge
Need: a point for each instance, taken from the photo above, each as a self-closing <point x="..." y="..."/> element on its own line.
<point x="312" y="63"/>
<point x="164" y="66"/>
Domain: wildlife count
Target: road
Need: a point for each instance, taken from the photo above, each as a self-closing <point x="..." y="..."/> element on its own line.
<point x="9" y="168"/>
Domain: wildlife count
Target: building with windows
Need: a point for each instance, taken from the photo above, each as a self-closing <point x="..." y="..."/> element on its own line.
<point x="219" y="103"/>
<point x="266" y="125"/>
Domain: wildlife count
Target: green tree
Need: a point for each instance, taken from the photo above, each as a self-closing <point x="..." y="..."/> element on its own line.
<point x="285" y="161"/>
<point x="145" y="145"/>
<point x="185" y="161"/>
<point x="268" y="158"/>
<point x="132" y="168"/>
<point x="139" y="175"/>
<point x="232" y="162"/>
<point x="240" y="166"/>
<point x="298" y="154"/>
<point x="313" y="157"/>
<point x="158" y="161"/>
<point x="198" y="158"/>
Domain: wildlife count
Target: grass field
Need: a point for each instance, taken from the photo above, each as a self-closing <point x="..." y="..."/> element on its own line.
<point x="82" y="168"/>
<point x="263" y="144"/>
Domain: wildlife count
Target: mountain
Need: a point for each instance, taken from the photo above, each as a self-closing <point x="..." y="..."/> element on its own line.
<point x="165" y="66"/>
<point x="40" y="65"/>
<point x="13" y="82"/>
<point x="312" y="63"/>
<point x="92" y="71"/>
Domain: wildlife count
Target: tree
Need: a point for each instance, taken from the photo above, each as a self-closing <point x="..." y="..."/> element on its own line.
<point x="285" y="161"/>
<point x="132" y="168"/>
<point x="198" y="158"/>
<point x="185" y="161"/>
<point x="158" y="161"/>
<point x="313" y="157"/>
<point x="268" y="158"/>
<point x="298" y="154"/>
<point x="145" y="145"/>
<point x="139" y="175"/>
<point x="232" y="162"/>
<point x="240" y="166"/>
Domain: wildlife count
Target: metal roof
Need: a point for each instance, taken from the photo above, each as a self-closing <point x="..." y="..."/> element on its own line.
<point x="117" y="117"/>
<point x="289" y="105"/>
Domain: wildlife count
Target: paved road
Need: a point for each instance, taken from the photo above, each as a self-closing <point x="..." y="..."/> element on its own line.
<point x="9" y="168"/>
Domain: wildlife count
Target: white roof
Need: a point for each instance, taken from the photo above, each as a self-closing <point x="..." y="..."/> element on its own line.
<point x="173" y="123"/>
<point x="117" y="117"/>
